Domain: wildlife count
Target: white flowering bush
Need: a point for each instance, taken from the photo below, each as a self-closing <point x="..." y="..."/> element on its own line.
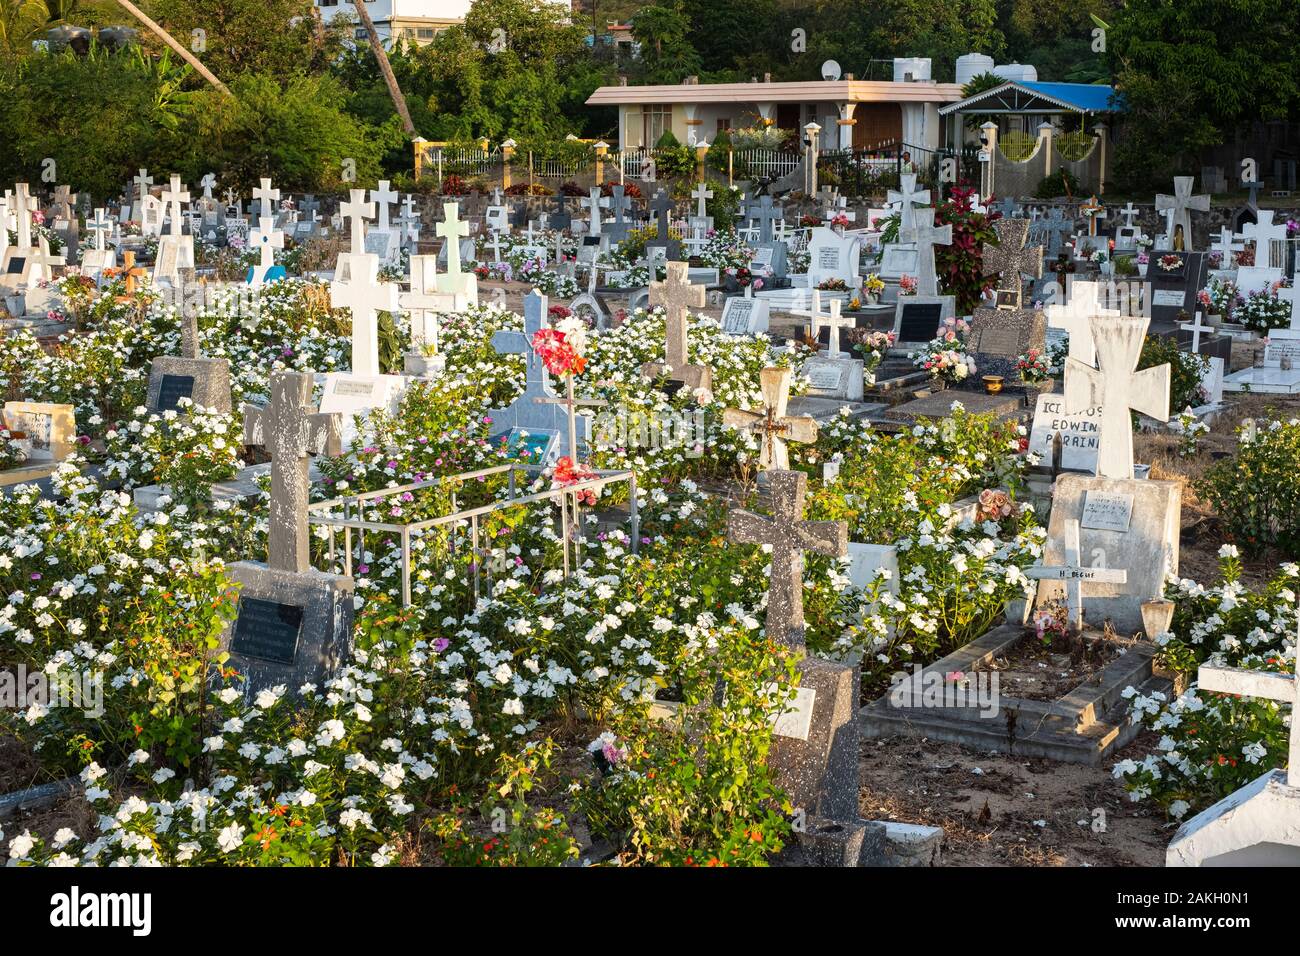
<point x="1212" y="744"/>
<point x="187" y="449"/>
<point x="11" y="450"/>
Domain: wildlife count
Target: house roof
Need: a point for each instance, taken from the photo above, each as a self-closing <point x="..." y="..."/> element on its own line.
<point x="842" y="91"/>
<point x="1020" y="96"/>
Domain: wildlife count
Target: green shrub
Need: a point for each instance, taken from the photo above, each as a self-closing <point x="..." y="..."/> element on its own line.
<point x="1062" y="183"/>
<point x="1187" y="369"/>
<point x="1256" y="493"/>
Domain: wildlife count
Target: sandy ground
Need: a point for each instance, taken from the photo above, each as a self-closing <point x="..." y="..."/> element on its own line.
<point x="999" y="810"/>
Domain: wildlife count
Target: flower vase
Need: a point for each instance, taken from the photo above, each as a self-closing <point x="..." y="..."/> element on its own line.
<point x="1142" y="268"/>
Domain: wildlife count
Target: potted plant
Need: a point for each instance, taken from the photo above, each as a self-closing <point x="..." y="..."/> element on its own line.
<point x="1142" y="261"/>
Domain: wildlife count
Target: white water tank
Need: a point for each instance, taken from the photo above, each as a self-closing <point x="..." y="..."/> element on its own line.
<point x="1018" y="72"/>
<point x="972" y="65"/>
<point x="911" y="69"/>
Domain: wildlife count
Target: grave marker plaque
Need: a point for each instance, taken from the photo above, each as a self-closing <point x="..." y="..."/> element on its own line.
<point x="1105" y="511"/>
<point x="267" y="630"/>
<point x="173" y="389"/>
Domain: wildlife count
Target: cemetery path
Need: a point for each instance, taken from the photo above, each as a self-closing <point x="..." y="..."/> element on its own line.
<point x="999" y="810"/>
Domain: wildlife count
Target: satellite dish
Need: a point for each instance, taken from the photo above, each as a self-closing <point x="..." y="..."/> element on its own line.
<point x="830" y="70"/>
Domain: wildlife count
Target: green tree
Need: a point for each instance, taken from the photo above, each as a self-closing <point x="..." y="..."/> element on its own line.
<point x="1193" y="73"/>
<point x="666" y="54"/>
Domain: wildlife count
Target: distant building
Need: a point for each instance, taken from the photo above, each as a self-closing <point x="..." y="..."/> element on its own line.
<point x="410" y="21"/>
<point x="857" y="114"/>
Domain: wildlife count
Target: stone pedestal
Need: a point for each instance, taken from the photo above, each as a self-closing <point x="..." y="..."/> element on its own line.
<point x="205" y="381"/>
<point x="1258" y="825"/>
<point x="819" y="771"/>
<point x="292" y="629"/>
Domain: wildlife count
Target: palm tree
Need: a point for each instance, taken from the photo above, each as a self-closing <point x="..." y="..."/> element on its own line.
<point x="167" y="38"/>
<point x="386" y="68"/>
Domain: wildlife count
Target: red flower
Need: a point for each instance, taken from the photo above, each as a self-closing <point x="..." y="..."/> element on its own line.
<point x="556" y="353"/>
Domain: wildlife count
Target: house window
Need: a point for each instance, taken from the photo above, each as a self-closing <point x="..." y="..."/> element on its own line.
<point x="426" y="33"/>
<point x="724" y="124"/>
<point x="654" y="121"/>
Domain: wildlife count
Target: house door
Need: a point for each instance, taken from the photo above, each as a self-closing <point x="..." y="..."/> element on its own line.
<point x="877" y="124"/>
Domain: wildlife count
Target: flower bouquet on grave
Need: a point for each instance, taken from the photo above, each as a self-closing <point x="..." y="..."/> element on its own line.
<point x="872" y="345"/>
<point x="1245" y="257"/>
<point x="1143" y="260"/>
<point x="568" y="472"/>
<point x="1051" y="623"/>
<point x="833" y="285"/>
<point x="945" y="356"/>
<point x="1170" y="262"/>
<point x="907" y="285"/>
<point x="840" y="222"/>
<point x="1264" y="310"/>
<point x="809" y="221"/>
<point x="743" y="277"/>
<point x="873" y="287"/>
<point x="1034" y="366"/>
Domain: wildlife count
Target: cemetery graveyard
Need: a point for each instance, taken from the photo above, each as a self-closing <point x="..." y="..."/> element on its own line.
<point x="670" y="520"/>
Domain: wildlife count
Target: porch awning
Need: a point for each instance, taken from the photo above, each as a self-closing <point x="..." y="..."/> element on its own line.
<point x="1017" y="96"/>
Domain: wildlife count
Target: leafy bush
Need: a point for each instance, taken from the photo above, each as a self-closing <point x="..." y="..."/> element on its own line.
<point x="1256" y="493"/>
<point x="1187" y="370"/>
<point x="960" y="265"/>
<point x="1061" y="183"/>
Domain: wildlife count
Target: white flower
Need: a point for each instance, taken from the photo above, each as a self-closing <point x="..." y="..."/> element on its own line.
<point x="21" y="845"/>
<point x="230" y="838"/>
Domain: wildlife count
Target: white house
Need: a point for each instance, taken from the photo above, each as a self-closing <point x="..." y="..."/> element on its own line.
<point x="852" y="113"/>
<point x="410" y="20"/>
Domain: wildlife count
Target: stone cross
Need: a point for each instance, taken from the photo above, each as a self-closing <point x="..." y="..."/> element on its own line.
<point x="593" y="205"/>
<point x="677" y="295"/>
<point x="24" y="204"/>
<point x="266" y="238"/>
<point x="383" y="197"/>
<point x="62" y="204"/>
<point x="619" y="204"/>
<point x="1180" y="206"/>
<point x="927" y="235"/>
<point x="266" y="195"/>
<point x="1262" y="232"/>
<point x="1075" y="574"/>
<point x="1117" y="386"/>
<point x="102" y="227"/>
<point x="173" y="197"/>
<point x="833" y="321"/>
<point x="1075" y="319"/>
<point x="364" y="295"/>
<point x="1010" y="257"/>
<point x="452" y="229"/>
<point x="1006" y="207"/>
<point x="908" y="197"/>
<point x="5" y="200"/>
<point x="1057" y="227"/>
<point x="700" y="193"/>
<point x="1196" y="328"/>
<point x="424" y="301"/>
<point x="143" y="181"/>
<point x="662" y="207"/>
<point x="189" y="333"/>
<point x="773" y="426"/>
<point x="231" y="197"/>
<point x="1129" y="212"/>
<point x="208" y="182"/>
<point x="290" y="430"/>
<point x="1264" y="685"/>
<point x="358" y="210"/>
<point x="537" y="382"/>
<point x="1226" y="245"/>
<point x="789" y="536"/>
<point x="765" y="213"/>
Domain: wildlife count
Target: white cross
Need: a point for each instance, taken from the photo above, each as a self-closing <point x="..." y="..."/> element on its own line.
<point x="1117" y="386"/>
<point x="595" y="204"/>
<point x="384" y="197"/>
<point x="832" y="320"/>
<point x="1075" y="319"/>
<point x="1226" y="246"/>
<point x="1075" y="575"/>
<point x="424" y="301"/>
<point x="1262" y="233"/>
<point x="1261" y="684"/>
<point x="267" y="195"/>
<point x="358" y="210"/>
<point x="452" y="229"/>
<point x="101" y="227"/>
<point x="208" y="183"/>
<point x="1129" y="212"/>
<point x="173" y="197"/>
<point x="700" y="193"/>
<point x="927" y="235"/>
<point x="908" y="197"/>
<point x="1196" y="328"/>
<point x="1292" y="294"/>
<point x="364" y="295"/>
<point x="267" y="239"/>
<point x="4" y="222"/>
<point x="23" y="206"/>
